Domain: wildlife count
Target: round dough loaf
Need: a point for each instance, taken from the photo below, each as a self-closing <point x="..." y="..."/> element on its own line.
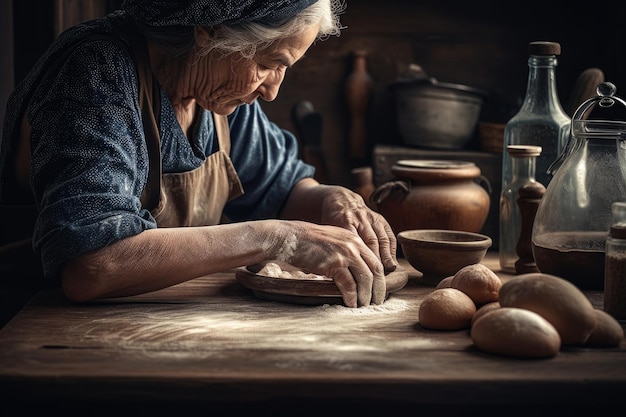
<point x="484" y="309"/>
<point x="445" y="283"/>
<point x="608" y="331"/>
<point x="479" y="282"/>
<point x="555" y="299"/>
<point x="274" y="270"/>
<point x="518" y="332"/>
<point x="446" y="309"/>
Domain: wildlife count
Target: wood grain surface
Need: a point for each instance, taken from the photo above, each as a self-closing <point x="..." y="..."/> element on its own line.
<point x="212" y="341"/>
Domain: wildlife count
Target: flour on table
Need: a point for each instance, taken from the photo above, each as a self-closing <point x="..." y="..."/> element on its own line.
<point x="272" y="269"/>
<point x="390" y="306"/>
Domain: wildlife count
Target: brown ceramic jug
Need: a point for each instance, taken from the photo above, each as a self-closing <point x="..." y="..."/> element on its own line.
<point x="433" y="194"/>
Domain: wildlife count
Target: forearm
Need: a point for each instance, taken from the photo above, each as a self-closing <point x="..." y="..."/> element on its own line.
<point x="162" y="257"/>
<point x="308" y="197"/>
<point x="304" y="202"/>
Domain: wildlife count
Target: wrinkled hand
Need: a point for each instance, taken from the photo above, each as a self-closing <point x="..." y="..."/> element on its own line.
<point x="339" y="254"/>
<point x="341" y="238"/>
<point x="346" y="209"/>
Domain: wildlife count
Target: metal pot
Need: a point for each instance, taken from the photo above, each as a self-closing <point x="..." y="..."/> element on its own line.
<point x="433" y="114"/>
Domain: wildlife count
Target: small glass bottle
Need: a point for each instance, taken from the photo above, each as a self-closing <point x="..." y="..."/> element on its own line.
<point x="615" y="264"/>
<point x="523" y="167"/>
<point x="541" y="120"/>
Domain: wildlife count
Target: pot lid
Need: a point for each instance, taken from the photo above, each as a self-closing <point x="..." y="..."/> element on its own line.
<point x="429" y="171"/>
<point x="416" y="77"/>
<point x="434" y="164"/>
<point x="433" y="83"/>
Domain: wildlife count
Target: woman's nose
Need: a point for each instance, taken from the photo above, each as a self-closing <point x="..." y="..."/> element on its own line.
<point x="269" y="88"/>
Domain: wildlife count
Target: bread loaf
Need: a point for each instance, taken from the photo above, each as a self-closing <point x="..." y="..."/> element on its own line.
<point x="446" y="309"/>
<point x="515" y="332"/>
<point x="484" y="309"/>
<point x="555" y="299"/>
<point x="479" y="282"/>
<point x="608" y="332"/>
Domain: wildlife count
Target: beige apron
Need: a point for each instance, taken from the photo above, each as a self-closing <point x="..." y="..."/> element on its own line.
<point x="197" y="198"/>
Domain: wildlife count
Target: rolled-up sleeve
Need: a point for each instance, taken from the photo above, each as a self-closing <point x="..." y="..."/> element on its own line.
<point x="266" y="159"/>
<point x="89" y="161"/>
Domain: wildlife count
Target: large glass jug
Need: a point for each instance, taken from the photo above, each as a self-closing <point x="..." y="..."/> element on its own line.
<point x="574" y="216"/>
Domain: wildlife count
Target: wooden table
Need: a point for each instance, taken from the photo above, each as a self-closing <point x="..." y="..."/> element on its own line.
<point x="211" y="343"/>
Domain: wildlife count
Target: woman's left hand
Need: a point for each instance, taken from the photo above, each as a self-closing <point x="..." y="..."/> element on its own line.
<point x="339" y="206"/>
<point x="345" y="208"/>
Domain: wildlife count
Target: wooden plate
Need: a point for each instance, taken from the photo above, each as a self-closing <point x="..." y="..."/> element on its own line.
<point x="305" y="291"/>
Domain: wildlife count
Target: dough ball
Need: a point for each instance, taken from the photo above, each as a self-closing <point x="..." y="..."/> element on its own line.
<point x="484" y="309"/>
<point x="271" y="269"/>
<point x="517" y="332"/>
<point x="479" y="282"/>
<point x="275" y="270"/>
<point x="608" y="331"/>
<point x="445" y="283"/>
<point x="555" y="299"/>
<point x="446" y="309"/>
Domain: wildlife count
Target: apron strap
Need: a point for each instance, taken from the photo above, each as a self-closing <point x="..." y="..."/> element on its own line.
<point x="223" y="132"/>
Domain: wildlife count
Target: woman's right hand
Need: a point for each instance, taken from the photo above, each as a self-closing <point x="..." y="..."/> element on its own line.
<point x="335" y="252"/>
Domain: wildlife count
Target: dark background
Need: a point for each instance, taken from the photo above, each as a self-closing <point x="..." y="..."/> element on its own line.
<point x="473" y="43"/>
<point x="478" y="44"/>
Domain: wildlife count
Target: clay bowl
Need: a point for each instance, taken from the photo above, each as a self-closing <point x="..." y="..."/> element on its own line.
<point x="438" y="253"/>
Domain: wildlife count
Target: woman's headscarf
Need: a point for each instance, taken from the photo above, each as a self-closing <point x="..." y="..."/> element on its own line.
<point x="212" y="12"/>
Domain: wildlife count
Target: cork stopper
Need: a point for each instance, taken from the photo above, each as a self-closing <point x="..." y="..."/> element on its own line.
<point x="618" y="216"/>
<point x="544" y="48"/>
<point x="618" y="231"/>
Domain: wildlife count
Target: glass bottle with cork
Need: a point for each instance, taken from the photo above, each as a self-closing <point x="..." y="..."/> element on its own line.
<point x="540" y="121"/>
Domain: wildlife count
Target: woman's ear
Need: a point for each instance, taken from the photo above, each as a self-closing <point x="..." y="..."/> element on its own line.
<point x="203" y="35"/>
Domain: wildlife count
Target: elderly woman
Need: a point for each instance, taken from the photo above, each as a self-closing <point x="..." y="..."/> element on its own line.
<point x="141" y="141"/>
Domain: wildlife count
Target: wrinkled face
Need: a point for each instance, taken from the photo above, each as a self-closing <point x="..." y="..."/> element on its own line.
<point x="231" y="81"/>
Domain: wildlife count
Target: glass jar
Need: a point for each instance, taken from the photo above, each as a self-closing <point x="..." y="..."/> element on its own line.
<point x="523" y="160"/>
<point x="615" y="264"/>
<point x="574" y="216"/>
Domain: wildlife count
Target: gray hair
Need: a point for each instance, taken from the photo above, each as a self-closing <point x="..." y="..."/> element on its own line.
<point x="249" y="37"/>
